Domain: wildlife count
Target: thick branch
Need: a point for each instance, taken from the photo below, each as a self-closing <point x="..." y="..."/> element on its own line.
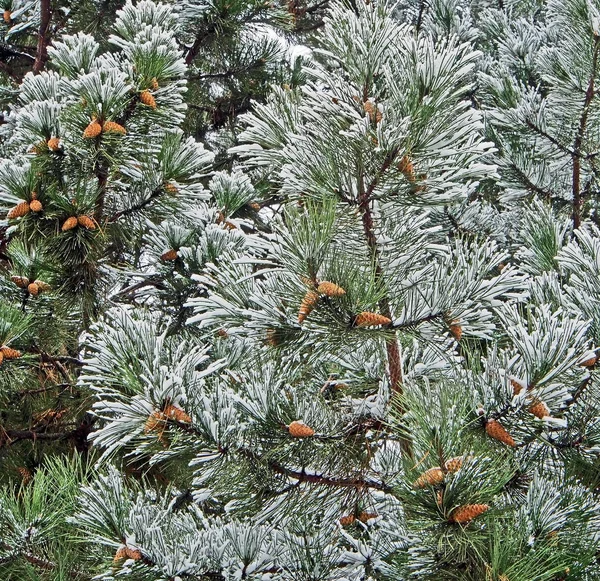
<point x="43" y="36"/>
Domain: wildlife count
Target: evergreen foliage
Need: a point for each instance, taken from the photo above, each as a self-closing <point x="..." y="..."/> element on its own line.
<point x="332" y="317"/>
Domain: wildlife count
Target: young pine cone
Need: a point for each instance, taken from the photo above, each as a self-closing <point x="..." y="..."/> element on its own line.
<point x="54" y="143"/>
<point x="430" y="477"/>
<point x="496" y="430"/>
<point x="42" y="286"/>
<point x="155" y="420"/>
<point x="7" y="14"/>
<point x="112" y="127"/>
<point x="120" y="555"/>
<point x="169" y="255"/>
<point x="539" y="409"/>
<point x="298" y="429"/>
<point x="347" y="520"/>
<point x="147" y="99"/>
<point x="517" y="387"/>
<point x="92" y="130"/>
<point x="20" y="281"/>
<point x="374" y="113"/>
<point x="170" y="188"/>
<point x="454" y="464"/>
<point x="26" y="474"/>
<point x="175" y="413"/>
<point x="589" y="362"/>
<point x="330" y="289"/>
<point x="86" y="222"/>
<point x="367" y="319"/>
<point x="154" y="84"/>
<point x="69" y="224"/>
<point x="366" y="516"/>
<point x="9" y="352"/>
<point x="134" y="554"/>
<point x="33" y="289"/>
<point x="406" y="167"/>
<point x="21" y="209"/>
<point x="466" y="513"/>
<point x="36" y="206"/>
<point x="307" y="305"/>
<point x="455" y="330"/>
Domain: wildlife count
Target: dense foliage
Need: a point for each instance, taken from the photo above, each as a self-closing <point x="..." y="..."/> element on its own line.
<point x="300" y="291"/>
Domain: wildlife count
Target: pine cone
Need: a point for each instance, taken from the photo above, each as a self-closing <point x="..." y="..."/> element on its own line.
<point x="229" y="225"/>
<point x="69" y="224"/>
<point x="589" y="362"/>
<point x="43" y="286"/>
<point x="134" y="554"/>
<point x="466" y="513"/>
<point x="54" y="143"/>
<point x="92" y="130"/>
<point x="175" y="413"/>
<point x="454" y="464"/>
<point x="330" y="289"/>
<point x="38" y="148"/>
<point x="366" y="516"/>
<point x="112" y="127"/>
<point x="255" y="206"/>
<point x="298" y="429"/>
<point x="430" y="477"/>
<point x="155" y="419"/>
<point x="373" y="112"/>
<point x="21" y="209"/>
<point x="455" y="330"/>
<point x="26" y="474"/>
<point x="170" y="188"/>
<point x="36" y="206"/>
<point x="346" y="521"/>
<point x="307" y="305"/>
<point x="169" y="255"/>
<point x="367" y="319"/>
<point x="147" y="99"/>
<point x="33" y="289"/>
<point x="154" y="84"/>
<point x="7" y="14"/>
<point x="496" y="430"/>
<point x="86" y="222"/>
<point x="9" y="352"/>
<point x="1" y="360"/>
<point x="406" y="167"/>
<point x="539" y="409"/>
<point x="517" y="387"/>
<point x="20" y="281"/>
<point x="120" y="555"/>
<point x="272" y="338"/>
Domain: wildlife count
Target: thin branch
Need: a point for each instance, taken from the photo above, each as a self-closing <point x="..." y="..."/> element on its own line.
<point x="589" y="95"/>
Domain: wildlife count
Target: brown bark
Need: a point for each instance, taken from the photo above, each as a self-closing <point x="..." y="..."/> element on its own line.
<point x="41" y="55"/>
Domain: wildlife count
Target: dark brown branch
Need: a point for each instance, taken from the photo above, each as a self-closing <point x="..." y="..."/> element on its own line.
<point x="135" y="208"/>
<point x="41" y="54"/>
<point x="589" y="95"/>
<point x="393" y="353"/>
<point x="323" y="480"/>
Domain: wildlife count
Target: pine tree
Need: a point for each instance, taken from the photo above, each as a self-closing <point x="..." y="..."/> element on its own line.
<point x="365" y="351"/>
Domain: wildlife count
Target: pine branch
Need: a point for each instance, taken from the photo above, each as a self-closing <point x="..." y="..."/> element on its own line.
<point x="321" y="479"/>
<point x="393" y="352"/>
<point x="39" y="562"/>
<point x="43" y="36"/>
<point x="589" y="95"/>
